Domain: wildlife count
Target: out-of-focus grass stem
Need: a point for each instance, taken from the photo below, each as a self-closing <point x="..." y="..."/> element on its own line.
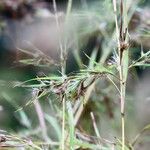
<point x="63" y="63"/>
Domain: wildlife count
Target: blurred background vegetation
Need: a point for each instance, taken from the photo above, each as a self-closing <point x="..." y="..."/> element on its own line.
<point x="29" y="47"/>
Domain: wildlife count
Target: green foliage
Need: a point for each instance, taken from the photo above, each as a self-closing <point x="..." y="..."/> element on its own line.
<point x="69" y="94"/>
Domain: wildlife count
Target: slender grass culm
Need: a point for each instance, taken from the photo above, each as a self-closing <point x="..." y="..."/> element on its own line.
<point x="62" y="60"/>
<point x="123" y="45"/>
<point x="63" y="53"/>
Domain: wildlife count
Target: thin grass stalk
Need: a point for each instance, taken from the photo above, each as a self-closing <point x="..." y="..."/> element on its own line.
<point x="63" y="63"/>
<point x="63" y="123"/>
<point x="40" y="115"/>
<point x="63" y="72"/>
<point x="59" y="38"/>
<point x="120" y="74"/>
<point x="94" y="125"/>
<point x="69" y="7"/>
<point x="64" y="54"/>
<point x="122" y="97"/>
<point x="123" y="67"/>
<point x="116" y="24"/>
<point x="123" y="63"/>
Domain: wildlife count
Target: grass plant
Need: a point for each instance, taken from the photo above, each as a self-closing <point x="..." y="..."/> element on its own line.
<point x="73" y="91"/>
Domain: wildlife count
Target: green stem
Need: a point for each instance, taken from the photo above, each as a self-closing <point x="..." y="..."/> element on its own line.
<point x="123" y="133"/>
<point x="63" y="124"/>
<point x="122" y="96"/>
<point x="63" y="62"/>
